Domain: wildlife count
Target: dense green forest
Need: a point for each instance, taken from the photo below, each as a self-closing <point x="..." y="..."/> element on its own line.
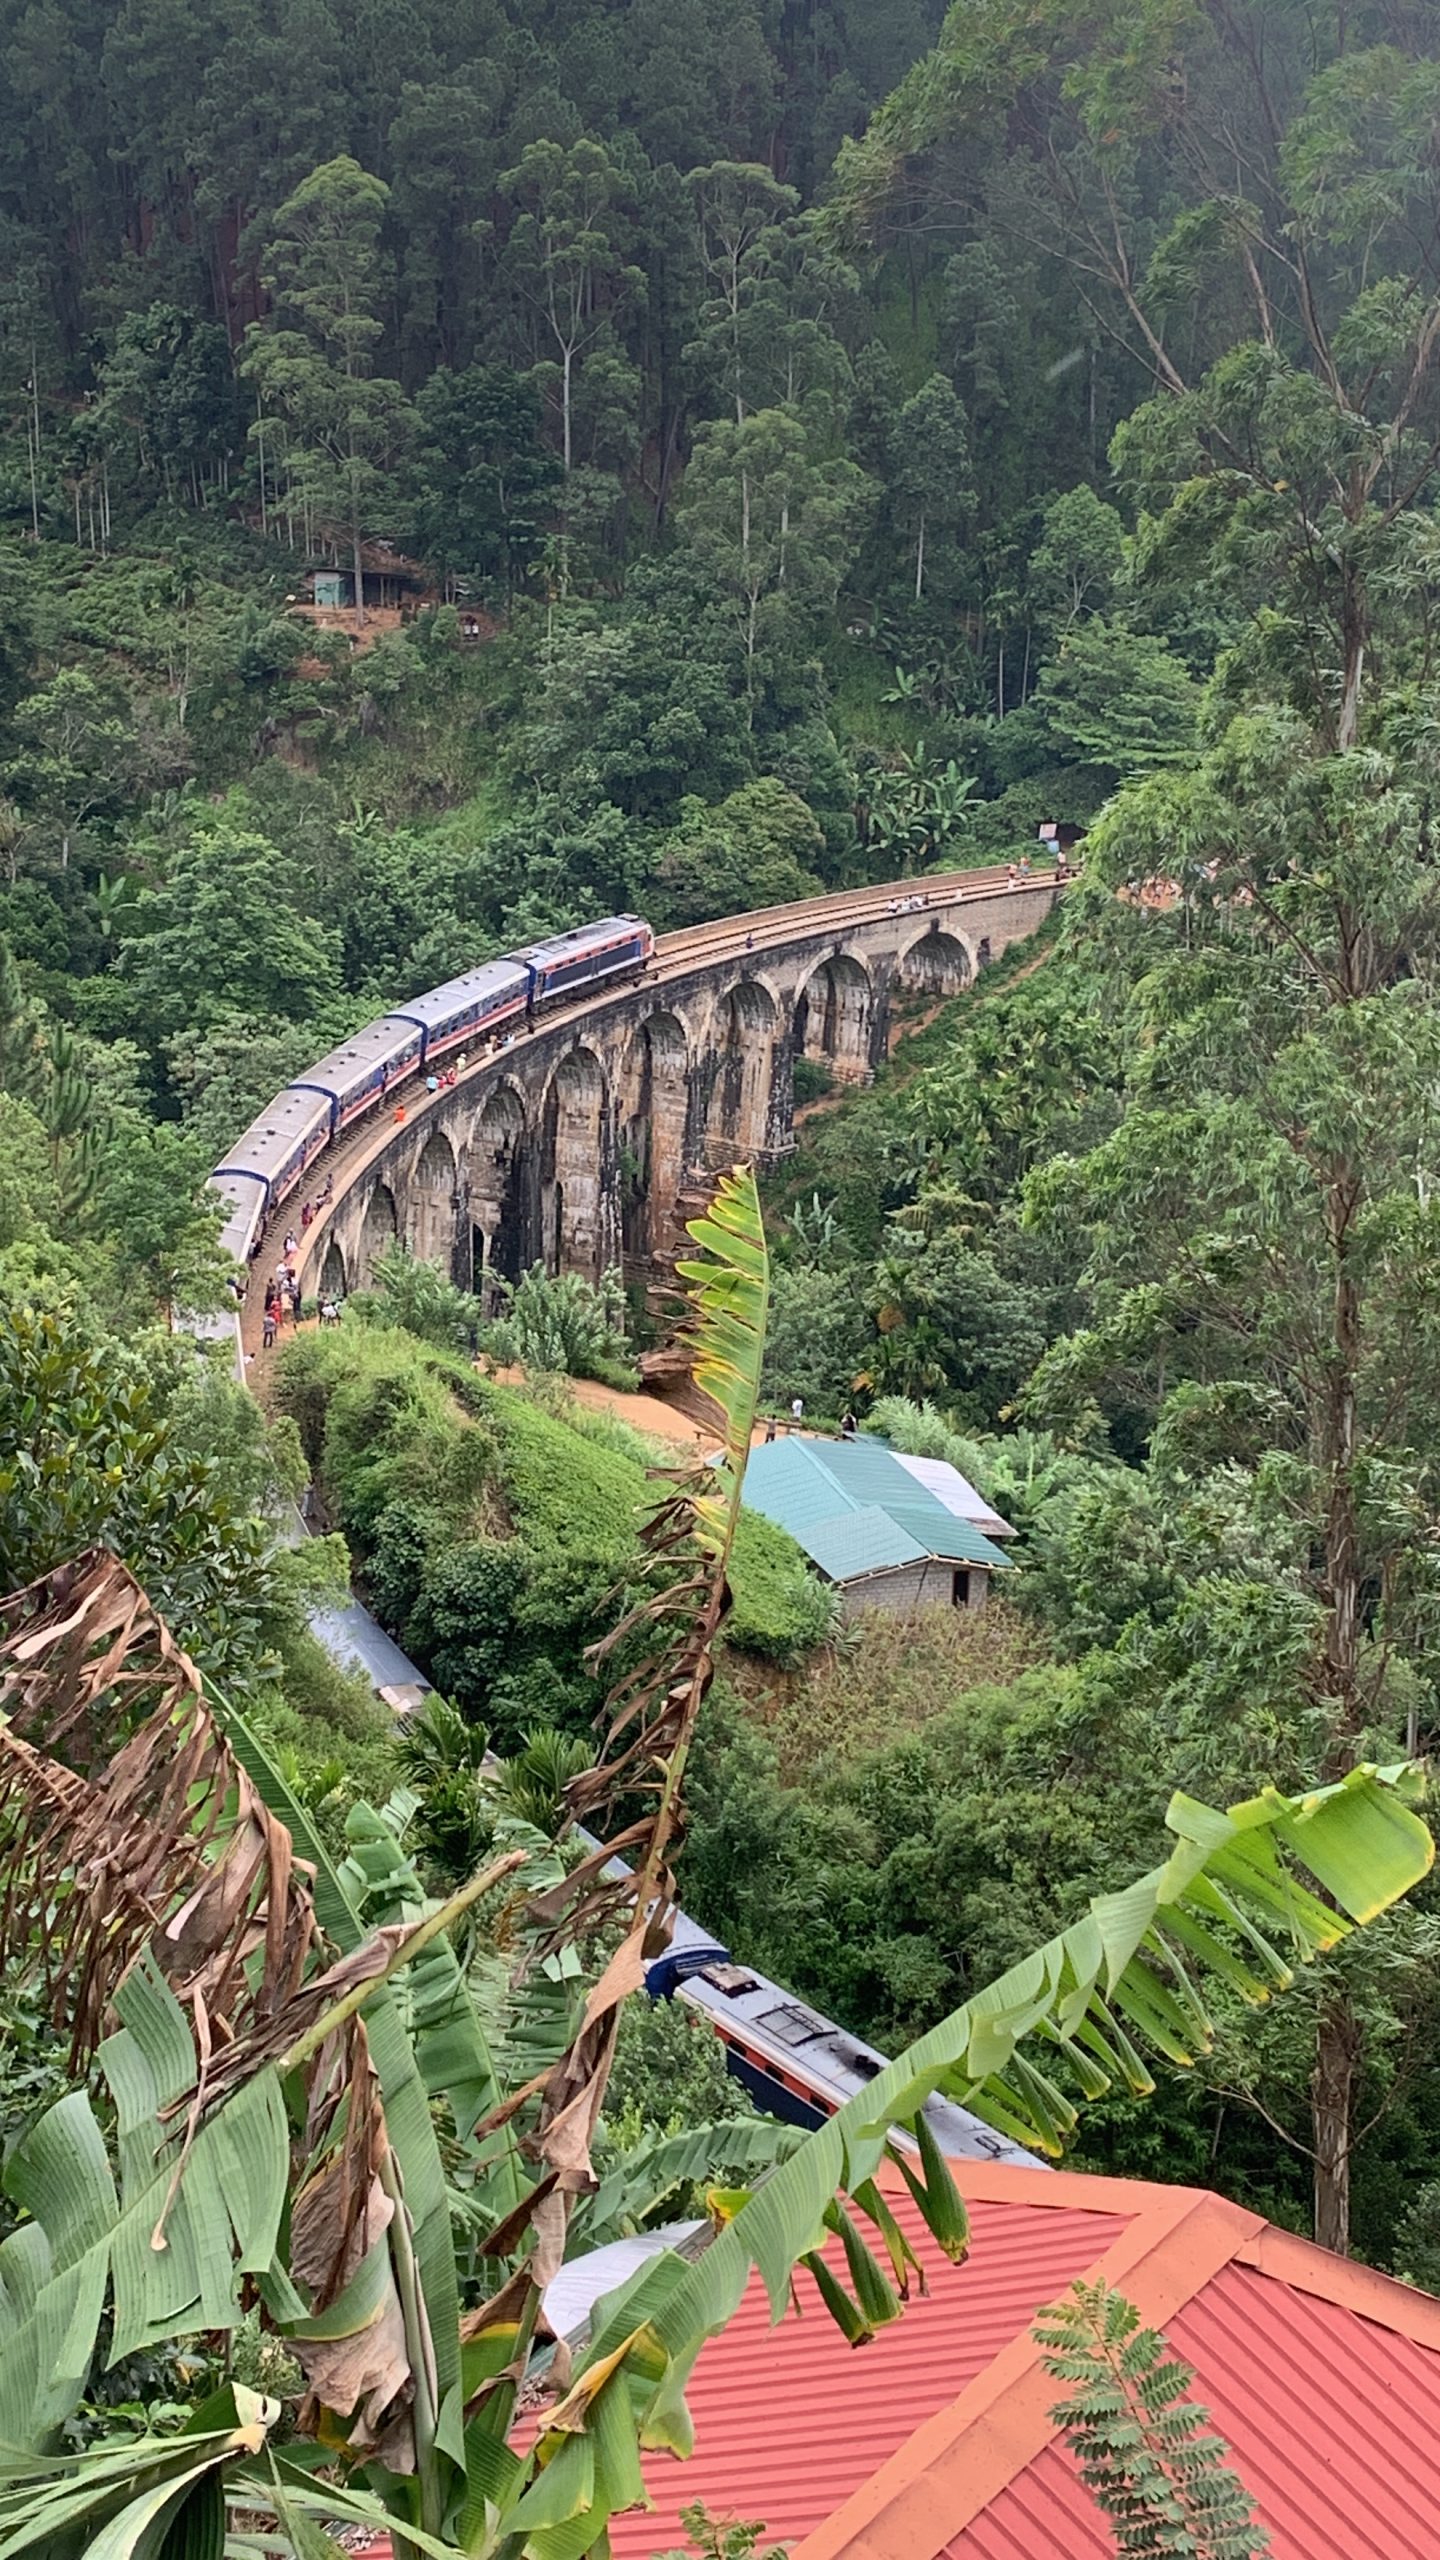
<point x="813" y="444"/>
<point x="798" y="558"/>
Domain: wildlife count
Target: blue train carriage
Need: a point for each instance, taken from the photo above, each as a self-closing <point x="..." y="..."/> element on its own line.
<point x="278" y="1147"/>
<point x="244" y="1198"/>
<point x="794" y="2063"/>
<point x="616" y="947"/>
<point x="363" y="1068"/>
<point x="470" y="1008"/>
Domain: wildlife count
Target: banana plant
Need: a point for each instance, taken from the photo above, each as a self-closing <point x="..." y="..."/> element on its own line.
<point x="293" y="2086"/>
<point x="1242" y="1897"/>
<point x="1239" y="1900"/>
<point x="266" y="2133"/>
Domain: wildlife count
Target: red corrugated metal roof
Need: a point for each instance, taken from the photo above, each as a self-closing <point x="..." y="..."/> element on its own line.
<point x="1043" y="2509"/>
<point x="935" y="2442"/>
<point x="1334" y="2421"/>
<point x="789" y="2421"/>
<point x="1322" y="2377"/>
<point x="1331" y="2423"/>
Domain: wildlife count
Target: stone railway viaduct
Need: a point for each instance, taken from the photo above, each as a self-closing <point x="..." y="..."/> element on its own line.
<point x="580" y="1143"/>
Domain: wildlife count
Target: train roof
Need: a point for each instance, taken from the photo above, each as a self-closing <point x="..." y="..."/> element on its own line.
<point x="788" y="2032"/>
<point x="583" y="937"/>
<point x="286" y="1123"/>
<point x="239" y="1185"/>
<point x="493" y="977"/>
<point x="360" y="1055"/>
<point x="244" y="1198"/>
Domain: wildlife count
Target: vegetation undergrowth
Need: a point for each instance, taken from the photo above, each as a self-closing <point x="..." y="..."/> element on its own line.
<point x="490" y="1530"/>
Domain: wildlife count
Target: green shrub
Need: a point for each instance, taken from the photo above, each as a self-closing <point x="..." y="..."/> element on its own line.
<point x="564" y="1324"/>
<point x="813" y="1079"/>
<point x="782" y="1610"/>
<point x="414" y="1297"/>
<point x="493" y="1533"/>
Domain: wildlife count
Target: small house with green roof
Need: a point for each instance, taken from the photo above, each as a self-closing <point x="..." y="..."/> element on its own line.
<point x="890" y="1532"/>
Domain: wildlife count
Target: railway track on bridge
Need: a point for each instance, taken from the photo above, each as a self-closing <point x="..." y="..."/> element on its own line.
<point x="842" y="907"/>
<point x="751" y="940"/>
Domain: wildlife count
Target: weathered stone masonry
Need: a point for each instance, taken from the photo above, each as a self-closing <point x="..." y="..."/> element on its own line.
<point x="573" y="1145"/>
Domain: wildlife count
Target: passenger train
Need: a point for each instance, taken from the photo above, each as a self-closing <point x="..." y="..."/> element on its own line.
<point x="475" y="1010"/>
<point x="794" y="2063"/>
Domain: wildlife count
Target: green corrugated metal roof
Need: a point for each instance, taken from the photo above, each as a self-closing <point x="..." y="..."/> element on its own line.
<point x="784" y="1481"/>
<point x="944" y="1535"/>
<point x="855" y="1511"/>
<point x="854" y="1543"/>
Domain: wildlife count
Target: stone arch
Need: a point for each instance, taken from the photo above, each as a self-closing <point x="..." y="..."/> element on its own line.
<point x="333" y="1280"/>
<point x="432" y="1195"/>
<point x="655" y="1108"/>
<point x="747" y="1023"/>
<point x="435" y="1164"/>
<point x="499" y="1158"/>
<point x="936" y="964"/>
<point x="379" y="1227"/>
<point x="579" y="1177"/>
<point x="833" y="1014"/>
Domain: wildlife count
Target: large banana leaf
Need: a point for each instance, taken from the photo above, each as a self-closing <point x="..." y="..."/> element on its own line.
<point x="476" y="2034"/>
<point x="207" y="2151"/>
<point x="1238" y="1899"/>
<point x="82" y="2240"/>
<point x="118" y="2495"/>
<point x="426" y="2041"/>
<point x="643" y="2179"/>
<point x="172" y="2497"/>
<point x="729" y="1293"/>
<point x="430" y="2051"/>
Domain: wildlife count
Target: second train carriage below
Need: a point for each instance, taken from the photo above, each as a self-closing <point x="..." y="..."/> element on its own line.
<point x="244" y="1194"/>
<point x="280" y="1146"/>
<point x="794" y="2063"/>
<point x="363" y="1068"/>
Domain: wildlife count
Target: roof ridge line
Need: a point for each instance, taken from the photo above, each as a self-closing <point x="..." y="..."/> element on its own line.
<point x="956" y="2463"/>
<point x="1289" y="2258"/>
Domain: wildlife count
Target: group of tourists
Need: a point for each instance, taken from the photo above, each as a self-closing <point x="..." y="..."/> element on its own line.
<point x="1018" y="872"/>
<point x="283" y="1293"/>
<point x="282" y="1297"/>
<point x="440" y="1083"/>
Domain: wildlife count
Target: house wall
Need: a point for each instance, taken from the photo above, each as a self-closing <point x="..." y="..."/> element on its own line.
<point x="911" y="1587"/>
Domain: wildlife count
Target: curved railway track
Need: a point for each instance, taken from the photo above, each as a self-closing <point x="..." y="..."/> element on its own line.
<point x="739" y="937"/>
